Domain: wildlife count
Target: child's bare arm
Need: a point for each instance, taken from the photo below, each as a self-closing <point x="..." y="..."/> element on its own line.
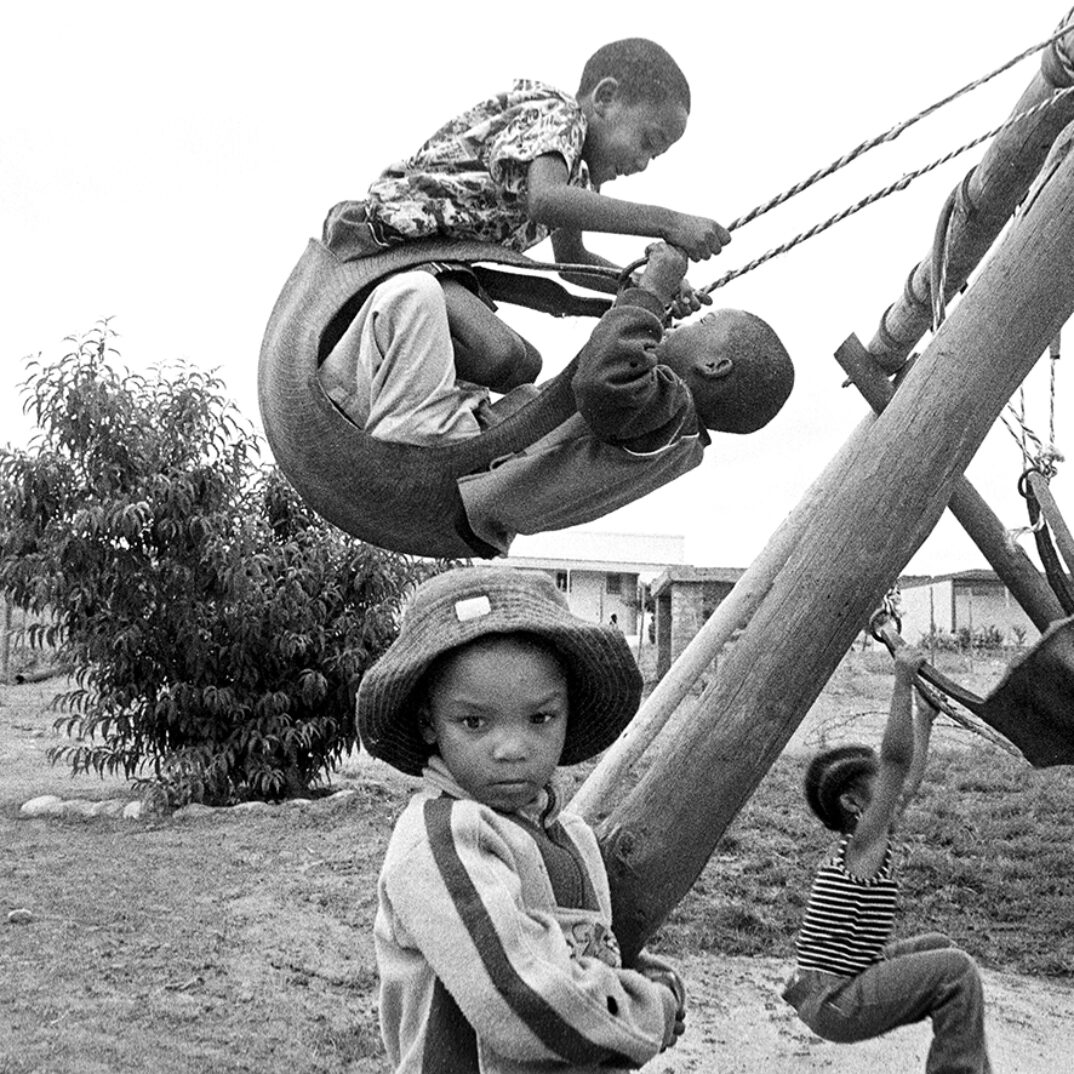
<point x="664" y="271"/>
<point x="868" y="844"/>
<point x="924" y="714"/>
<point x="553" y="202"/>
<point x="568" y="247"/>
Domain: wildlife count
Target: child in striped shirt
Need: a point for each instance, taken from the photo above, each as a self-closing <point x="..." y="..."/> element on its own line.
<point x="493" y="929"/>
<point x="852" y="983"/>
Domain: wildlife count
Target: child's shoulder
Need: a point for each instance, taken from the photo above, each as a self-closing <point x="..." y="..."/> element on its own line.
<point x="434" y="815"/>
<point x="532" y="89"/>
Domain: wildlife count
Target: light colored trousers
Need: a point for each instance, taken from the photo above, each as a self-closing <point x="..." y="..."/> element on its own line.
<point x="921" y="977"/>
<point x="393" y="374"/>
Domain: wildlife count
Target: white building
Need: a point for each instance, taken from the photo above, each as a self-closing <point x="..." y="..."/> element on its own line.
<point x="966" y="600"/>
<point x="600" y="572"/>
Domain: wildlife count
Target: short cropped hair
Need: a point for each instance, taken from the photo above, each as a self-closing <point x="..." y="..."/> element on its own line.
<point x="644" y="71"/>
<point x="830" y="774"/>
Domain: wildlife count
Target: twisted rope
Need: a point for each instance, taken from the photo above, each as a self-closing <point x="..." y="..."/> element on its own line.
<point x="891" y="188"/>
<point x="940" y="252"/>
<point x="1053" y="356"/>
<point x="1044" y="459"/>
<point x="894" y="132"/>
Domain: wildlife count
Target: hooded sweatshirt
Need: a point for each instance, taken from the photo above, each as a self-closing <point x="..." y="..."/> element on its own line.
<point x="494" y="944"/>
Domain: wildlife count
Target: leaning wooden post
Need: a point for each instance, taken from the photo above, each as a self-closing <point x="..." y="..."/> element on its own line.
<point x="1015" y="569"/>
<point x="982" y="204"/>
<point x="594" y="798"/>
<point x="884" y="497"/>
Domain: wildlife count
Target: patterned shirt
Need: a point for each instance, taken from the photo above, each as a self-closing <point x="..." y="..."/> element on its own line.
<point x="848" y="919"/>
<point x="469" y="179"/>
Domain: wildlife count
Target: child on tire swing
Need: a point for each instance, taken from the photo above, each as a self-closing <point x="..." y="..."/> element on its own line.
<point x="526" y="164"/>
<point x="851" y="982"/>
<point x="493" y="930"/>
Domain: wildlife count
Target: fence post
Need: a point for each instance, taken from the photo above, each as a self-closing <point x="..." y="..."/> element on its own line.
<point x="5" y="641"/>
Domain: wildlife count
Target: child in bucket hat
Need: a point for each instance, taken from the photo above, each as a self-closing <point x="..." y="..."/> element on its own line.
<point x="493" y="928"/>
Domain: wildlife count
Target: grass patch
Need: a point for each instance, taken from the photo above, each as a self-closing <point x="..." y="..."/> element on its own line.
<point x="987" y="860"/>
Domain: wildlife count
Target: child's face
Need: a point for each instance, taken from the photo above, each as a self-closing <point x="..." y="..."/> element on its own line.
<point x="622" y="138"/>
<point x="497" y="714"/>
<point x="698" y="353"/>
<point x="738" y="372"/>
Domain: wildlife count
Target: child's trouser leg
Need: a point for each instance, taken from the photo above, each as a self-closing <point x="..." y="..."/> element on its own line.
<point x="487" y="350"/>
<point x="926" y="941"/>
<point x="392" y="371"/>
<point x="940" y="983"/>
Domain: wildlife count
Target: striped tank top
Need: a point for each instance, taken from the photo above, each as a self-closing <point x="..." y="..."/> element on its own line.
<point x="848" y="919"/>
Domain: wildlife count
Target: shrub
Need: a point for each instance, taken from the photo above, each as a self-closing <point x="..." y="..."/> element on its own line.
<point x="216" y="630"/>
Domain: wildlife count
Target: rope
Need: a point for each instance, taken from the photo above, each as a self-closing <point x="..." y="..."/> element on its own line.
<point x="1026" y="434"/>
<point x="940" y="251"/>
<point x="1044" y="459"/>
<point x="1053" y="363"/>
<point x="894" y="132"/>
<point x="891" y="188"/>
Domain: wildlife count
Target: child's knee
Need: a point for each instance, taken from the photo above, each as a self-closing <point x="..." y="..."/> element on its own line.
<point x="512" y="360"/>
<point x="927" y="941"/>
<point x="526" y="360"/>
<point x="408" y="289"/>
<point x="961" y="969"/>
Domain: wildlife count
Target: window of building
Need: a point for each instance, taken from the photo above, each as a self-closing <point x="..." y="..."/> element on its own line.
<point x="561" y="581"/>
<point x="614" y="584"/>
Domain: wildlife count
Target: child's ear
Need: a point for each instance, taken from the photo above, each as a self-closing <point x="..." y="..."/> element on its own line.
<point x="604" y="93"/>
<point x="425" y="726"/>
<point x="850" y="804"/>
<point x="715" y="367"/>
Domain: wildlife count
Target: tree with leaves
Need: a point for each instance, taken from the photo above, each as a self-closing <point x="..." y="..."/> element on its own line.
<point x="215" y="630"/>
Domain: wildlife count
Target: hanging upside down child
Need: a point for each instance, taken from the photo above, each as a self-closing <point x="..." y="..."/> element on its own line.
<point x="646" y="397"/>
<point x="852" y="981"/>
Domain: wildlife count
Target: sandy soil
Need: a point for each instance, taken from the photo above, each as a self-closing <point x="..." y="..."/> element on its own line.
<point x="739" y="1025"/>
<point x="258" y="957"/>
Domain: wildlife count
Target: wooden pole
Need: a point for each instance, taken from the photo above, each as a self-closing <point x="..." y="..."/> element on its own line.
<point x="983" y="203"/>
<point x="5" y="640"/>
<point x="885" y="492"/>
<point x="1010" y="562"/>
<point x="593" y="799"/>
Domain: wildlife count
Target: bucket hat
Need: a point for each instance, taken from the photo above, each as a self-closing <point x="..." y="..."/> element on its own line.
<point x="460" y="605"/>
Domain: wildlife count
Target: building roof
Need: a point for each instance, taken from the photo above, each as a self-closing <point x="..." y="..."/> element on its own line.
<point x="683" y="573"/>
<point x="977" y="576"/>
<point x="578" y="549"/>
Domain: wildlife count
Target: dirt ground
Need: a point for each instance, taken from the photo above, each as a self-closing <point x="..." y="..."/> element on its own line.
<point x="240" y="941"/>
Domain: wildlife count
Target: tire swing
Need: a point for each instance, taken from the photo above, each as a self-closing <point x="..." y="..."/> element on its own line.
<point x="402" y="497"/>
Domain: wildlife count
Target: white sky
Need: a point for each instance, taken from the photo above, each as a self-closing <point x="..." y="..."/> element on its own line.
<point x="165" y="165"/>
